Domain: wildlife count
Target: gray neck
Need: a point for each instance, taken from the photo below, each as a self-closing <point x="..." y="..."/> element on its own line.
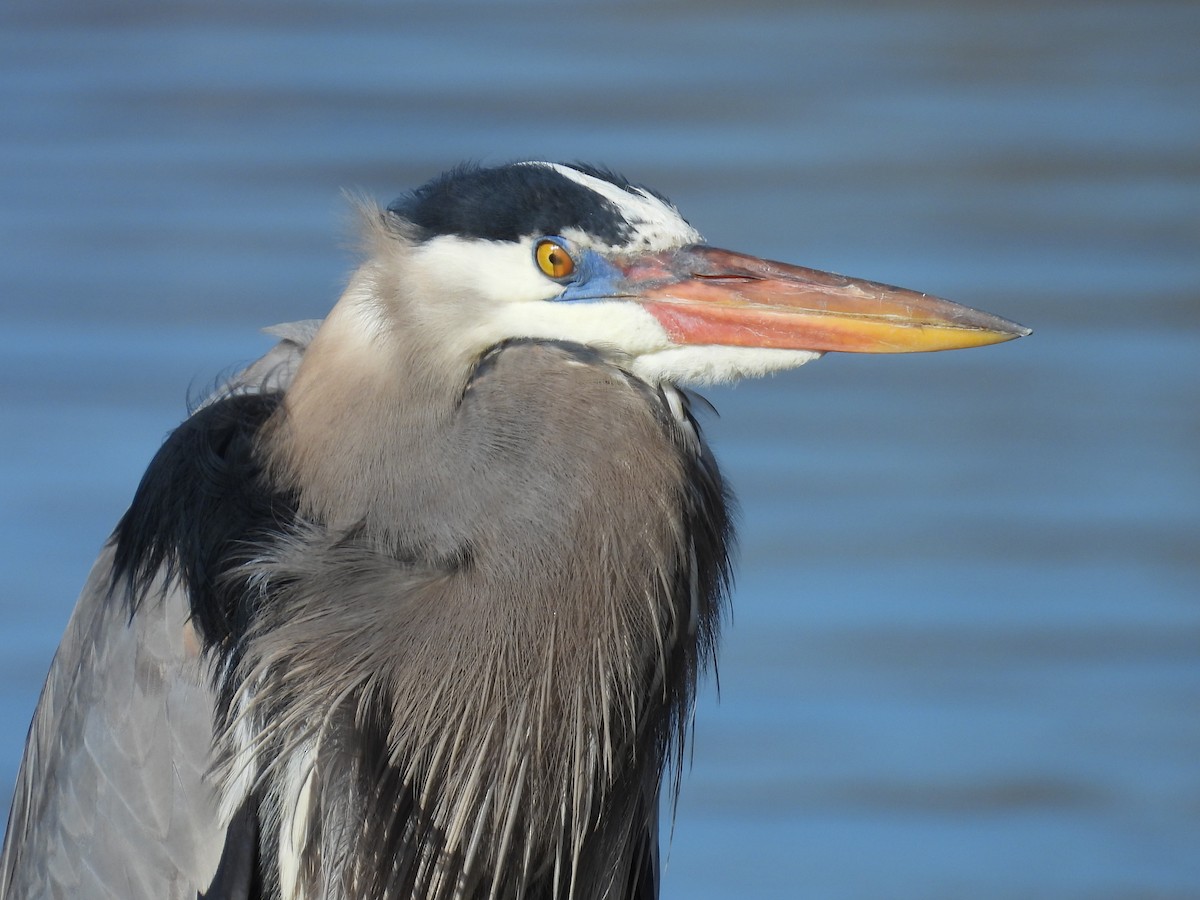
<point x="502" y="582"/>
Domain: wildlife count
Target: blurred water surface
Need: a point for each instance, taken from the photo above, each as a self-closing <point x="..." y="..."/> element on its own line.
<point x="965" y="656"/>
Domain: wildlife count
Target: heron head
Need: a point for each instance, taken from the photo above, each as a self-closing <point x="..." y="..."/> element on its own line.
<point x="573" y="253"/>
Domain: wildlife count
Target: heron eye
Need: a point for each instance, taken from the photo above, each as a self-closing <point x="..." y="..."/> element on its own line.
<point x="553" y="260"/>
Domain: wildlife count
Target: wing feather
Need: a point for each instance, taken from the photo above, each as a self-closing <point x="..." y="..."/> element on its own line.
<point x="115" y="796"/>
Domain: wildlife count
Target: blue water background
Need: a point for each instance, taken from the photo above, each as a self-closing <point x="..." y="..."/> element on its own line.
<point x="965" y="655"/>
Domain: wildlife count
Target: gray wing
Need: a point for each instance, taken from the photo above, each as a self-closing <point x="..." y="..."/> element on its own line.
<point x="114" y="797"/>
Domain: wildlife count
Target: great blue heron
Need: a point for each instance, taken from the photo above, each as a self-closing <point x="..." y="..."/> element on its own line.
<point x="416" y="605"/>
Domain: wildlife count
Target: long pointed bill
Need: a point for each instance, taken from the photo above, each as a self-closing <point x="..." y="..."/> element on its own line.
<point x="703" y="295"/>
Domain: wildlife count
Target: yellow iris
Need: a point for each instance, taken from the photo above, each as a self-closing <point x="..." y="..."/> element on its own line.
<point x="553" y="260"/>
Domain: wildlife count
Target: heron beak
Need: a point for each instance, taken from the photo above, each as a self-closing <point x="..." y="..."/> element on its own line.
<point x="704" y="295"/>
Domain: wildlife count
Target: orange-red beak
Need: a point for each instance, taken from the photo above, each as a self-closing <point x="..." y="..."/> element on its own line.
<point x="703" y="295"/>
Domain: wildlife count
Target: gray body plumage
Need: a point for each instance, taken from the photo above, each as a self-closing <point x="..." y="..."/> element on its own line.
<point x="559" y="621"/>
<point x="113" y="799"/>
<point x="549" y="755"/>
<point x="416" y="605"/>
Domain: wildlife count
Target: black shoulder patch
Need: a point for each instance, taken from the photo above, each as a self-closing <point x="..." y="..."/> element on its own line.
<point x="200" y="509"/>
<point x="239" y="874"/>
<point x="507" y="203"/>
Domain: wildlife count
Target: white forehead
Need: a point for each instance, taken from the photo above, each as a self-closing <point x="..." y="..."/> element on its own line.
<point x="657" y="225"/>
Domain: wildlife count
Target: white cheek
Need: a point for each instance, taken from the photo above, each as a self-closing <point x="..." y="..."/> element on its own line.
<point x="455" y="269"/>
<point x="710" y="364"/>
<point x="604" y="324"/>
<point x="499" y="294"/>
<point x="502" y="295"/>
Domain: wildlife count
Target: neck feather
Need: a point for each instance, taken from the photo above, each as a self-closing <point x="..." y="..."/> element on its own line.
<point x="512" y="582"/>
